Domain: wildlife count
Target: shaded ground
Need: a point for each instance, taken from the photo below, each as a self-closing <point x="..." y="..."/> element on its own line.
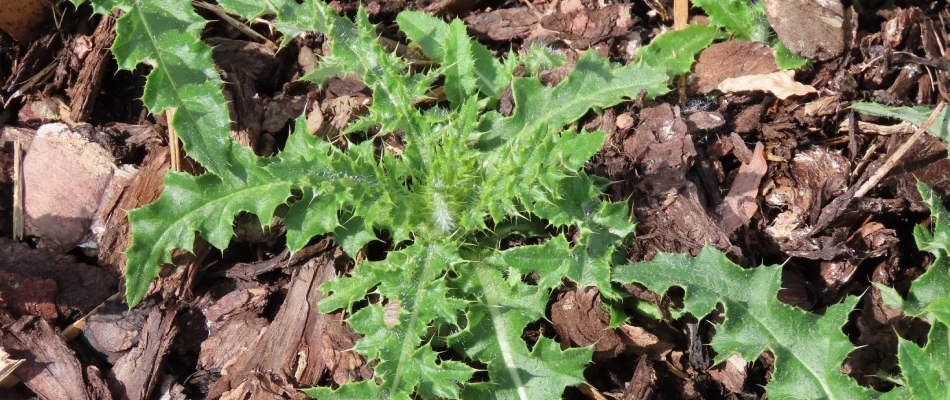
<point x="764" y="179"/>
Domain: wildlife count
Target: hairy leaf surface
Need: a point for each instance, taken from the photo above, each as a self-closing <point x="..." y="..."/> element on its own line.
<point x="925" y="370"/>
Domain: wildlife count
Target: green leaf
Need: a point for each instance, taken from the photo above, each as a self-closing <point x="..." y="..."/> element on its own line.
<point x="925" y="369"/>
<point x="411" y="281"/>
<point x="941" y="309"/>
<point x="433" y="37"/>
<point x="933" y="284"/>
<point x="551" y="260"/>
<point x="784" y="57"/>
<point x="250" y="9"/>
<point x="915" y="115"/>
<point x="891" y="298"/>
<point x="308" y="217"/>
<point x="588" y="263"/>
<point x="493" y="336"/>
<point x="540" y="58"/>
<point x="189" y="204"/>
<point x="183" y="78"/>
<point x="737" y="16"/>
<point x="363" y="390"/>
<point x="458" y="64"/>
<point x="808" y="348"/>
<point x="675" y="51"/>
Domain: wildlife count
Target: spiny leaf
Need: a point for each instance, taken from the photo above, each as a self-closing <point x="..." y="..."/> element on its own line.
<point x="808" y="348"/>
<point x="493" y="336"/>
<point x="540" y="58"/>
<point x="925" y="369"/>
<point x="588" y="263"/>
<point x="411" y="281"/>
<point x="675" y="51"/>
<point x="183" y="78"/>
<point x="436" y="39"/>
<point x="736" y="16"/>
<point x="189" y="204"/>
<point x="933" y="284"/>
<point x="784" y="57"/>
<point x="458" y="64"/>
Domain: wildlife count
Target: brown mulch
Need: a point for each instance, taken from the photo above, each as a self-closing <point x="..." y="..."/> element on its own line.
<point x="766" y="180"/>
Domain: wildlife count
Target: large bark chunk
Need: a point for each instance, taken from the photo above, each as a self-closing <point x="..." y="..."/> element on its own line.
<point x="811" y="28"/>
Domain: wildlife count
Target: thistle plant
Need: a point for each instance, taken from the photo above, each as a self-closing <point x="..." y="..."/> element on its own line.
<point x="446" y="300"/>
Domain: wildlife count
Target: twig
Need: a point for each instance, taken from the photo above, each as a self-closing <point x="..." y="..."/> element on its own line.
<point x="680" y="14"/>
<point x="173" y="146"/>
<point x="899" y="154"/>
<point x="884" y="130"/>
<point x="18" y="220"/>
<point x="680" y="19"/>
<point x="223" y="14"/>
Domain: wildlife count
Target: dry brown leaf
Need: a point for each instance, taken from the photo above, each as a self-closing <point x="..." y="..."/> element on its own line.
<point x="782" y="84"/>
<point x="740" y="203"/>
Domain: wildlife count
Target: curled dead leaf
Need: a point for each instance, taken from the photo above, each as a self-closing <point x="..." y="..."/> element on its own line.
<point x="782" y="84"/>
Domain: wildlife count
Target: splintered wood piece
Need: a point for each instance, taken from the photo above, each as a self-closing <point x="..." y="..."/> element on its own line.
<point x="50" y="368"/>
<point x="82" y="93"/>
<point x="136" y="374"/>
<point x="7" y="366"/>
<point x="142" y="189"/>
<point x="18" y="224"/>
<point x="299" y="347"/>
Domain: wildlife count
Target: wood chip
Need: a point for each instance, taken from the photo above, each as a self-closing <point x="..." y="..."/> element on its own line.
<point x="50" y="368"/>
<point x="136" y="374"/>
<point x="301" y="347"/>
<point x="811" y="28"/>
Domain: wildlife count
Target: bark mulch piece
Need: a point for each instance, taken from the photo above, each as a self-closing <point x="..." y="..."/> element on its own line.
<point x="580" y="320"/>
<point x="91" y="52"/>
<point x="80" y="287"/>
<point x="730" y="59"/>
<point x="814" y="29"/>
<point x="111" y="223"/>
<point x="300" y="347"/>
<point x="571" y="22"/>
<point x="50" y="369"/>
<point x="136" y="373"/>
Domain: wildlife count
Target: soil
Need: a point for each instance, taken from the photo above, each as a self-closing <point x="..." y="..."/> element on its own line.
<point x="764" y="174"/>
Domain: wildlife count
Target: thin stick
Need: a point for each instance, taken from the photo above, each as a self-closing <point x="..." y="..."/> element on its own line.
<point x="223" y="14"/>
<point x="18" y="220"/>
<point x="896" y="157"/>
<point x="680" y="14"/>
<point x="680" y="18"/>
<point x="173" y="146"/>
